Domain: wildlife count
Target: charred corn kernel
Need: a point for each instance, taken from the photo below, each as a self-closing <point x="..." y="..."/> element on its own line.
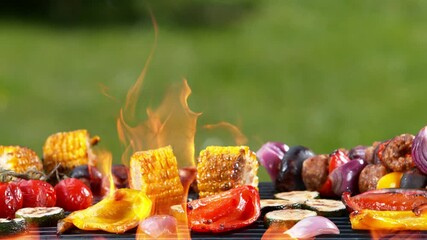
<point x="223" y="168"/>
<point x="155" y="172"/>
<point x="69" y="149"/>
<point x="19" y="159"/>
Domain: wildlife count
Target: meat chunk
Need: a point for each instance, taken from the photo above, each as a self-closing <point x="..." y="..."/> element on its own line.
<point x="370" y="176"/>
<point x="315" y="171"/>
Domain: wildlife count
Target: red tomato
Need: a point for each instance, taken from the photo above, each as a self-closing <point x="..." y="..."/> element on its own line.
<point x="37" y="193"/>
<point x="337" y="159"/>
<point x="72" y="194"/>
<point x="10" y="199"/>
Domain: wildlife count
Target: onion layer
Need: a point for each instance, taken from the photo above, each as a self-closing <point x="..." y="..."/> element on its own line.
<point x="270" y="155"/>
<point x="312" y="226"/>
<point x="419" y="150"/>
<point x="159" y="225"/>
<point x="345" y="178"/>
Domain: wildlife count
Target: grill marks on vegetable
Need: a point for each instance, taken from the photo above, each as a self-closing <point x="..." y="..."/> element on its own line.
<point x="294" y="206"/>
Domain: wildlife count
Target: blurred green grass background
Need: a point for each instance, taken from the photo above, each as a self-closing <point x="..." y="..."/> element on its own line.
<point x="324" y="74"/>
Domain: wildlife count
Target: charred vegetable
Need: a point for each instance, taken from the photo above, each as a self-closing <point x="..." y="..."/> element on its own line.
<point x="290" y="169"/>
<point x="117" y="213"/>
<point x="286" y="218"/>
<point x="419" y="150"/>
<point x="41" y="216"/>
<point x="268" y="205"/>
<point x="225" y="211"/>
<point x="413" y="179"/>
<point x="270" y="155"/>
<point x="223" y="168"/>
<point x="386" y="200"/>
<point x="312" y="226"/>
<point x="11" y="226"/>
<point x="326" y="207"/>
<point x="345" y="177"/>
<point x="297" y="197"/>
<point x="358" y="152"/>
<point x="387" y="220"/>
<point x="10" y="199"/>
<point x="90" y="175"/>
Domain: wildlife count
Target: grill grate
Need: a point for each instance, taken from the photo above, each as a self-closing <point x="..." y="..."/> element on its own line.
<point x="254" y="231"/>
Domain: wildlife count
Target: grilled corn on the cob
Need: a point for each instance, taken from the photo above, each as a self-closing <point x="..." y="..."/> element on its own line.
<point x="223" y="168"/>
<point x="69" y="149"/>
<point x="155" y="172"/>
<point x="19" y="159"/>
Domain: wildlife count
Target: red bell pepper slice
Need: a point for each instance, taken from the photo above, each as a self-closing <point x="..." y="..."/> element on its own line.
<point x="386" y="200"/>
<point x="226" y="211"/>
<point x="337" y="159"/>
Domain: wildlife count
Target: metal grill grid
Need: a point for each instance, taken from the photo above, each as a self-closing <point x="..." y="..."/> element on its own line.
<point x="254" y="231"/>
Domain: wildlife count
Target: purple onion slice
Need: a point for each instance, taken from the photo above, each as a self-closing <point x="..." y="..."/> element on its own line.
<point x="312" y="226"/>
<point x="270" y="155"/>
<point x="419" y="150"/>
<point x="345" y="178"/>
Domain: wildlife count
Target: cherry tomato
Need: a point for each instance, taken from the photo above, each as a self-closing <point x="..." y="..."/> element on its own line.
<point x="72" y="194"/>
<point x="10" y="199"/>
<point x="338" y="158"/>
<point x="37" y="193"/>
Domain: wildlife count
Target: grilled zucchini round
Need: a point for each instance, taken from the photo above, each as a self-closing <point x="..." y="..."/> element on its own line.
<point x="11" y="226"/>
<point x="326" y="207"/>
<point x="286" y="217"/>
<point x="41" y="216"/>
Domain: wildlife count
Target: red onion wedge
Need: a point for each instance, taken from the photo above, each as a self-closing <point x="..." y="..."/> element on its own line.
<point x="419" y="150"/>
<point x="312" y="226"/>
<point x="345" y="178"/>
<point x="270" y="155"/>
<point x="158" y="226"/>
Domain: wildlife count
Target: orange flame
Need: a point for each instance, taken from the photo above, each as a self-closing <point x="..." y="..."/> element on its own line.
<point x="239" y="137"/>
<point x="105" y="163"/>
<point x="173" y="123"/>
<point x="275" y="232"/>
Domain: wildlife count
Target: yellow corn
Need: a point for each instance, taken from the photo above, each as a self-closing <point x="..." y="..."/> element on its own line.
<point x="155" y="172"/>
<point x="69" y="149"/>
<point x="223" y="168"/>
<point x="19" y="159"/>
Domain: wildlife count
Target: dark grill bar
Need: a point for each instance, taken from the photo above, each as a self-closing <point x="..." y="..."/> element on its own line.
<point x="255" y="231"/>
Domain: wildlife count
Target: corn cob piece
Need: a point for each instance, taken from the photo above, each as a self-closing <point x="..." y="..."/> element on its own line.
<point x="69" y="149"/>
<point x="223" y="168"/>
<point x="19" y="159"/>
<point x="155" y="172"/>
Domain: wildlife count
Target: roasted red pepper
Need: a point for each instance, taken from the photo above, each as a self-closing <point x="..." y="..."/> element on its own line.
<point x="226" y="211"/>
<point x="386" y="200"/>
<point x="337" y="159"/>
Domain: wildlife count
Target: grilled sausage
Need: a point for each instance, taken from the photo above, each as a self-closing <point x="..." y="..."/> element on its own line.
<point x="397" y="154"/>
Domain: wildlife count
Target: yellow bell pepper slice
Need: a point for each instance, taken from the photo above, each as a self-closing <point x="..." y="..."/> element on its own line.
<point x="387" y="220"/>
<point x="390" y="180"/>
<point x="117" y="213"/>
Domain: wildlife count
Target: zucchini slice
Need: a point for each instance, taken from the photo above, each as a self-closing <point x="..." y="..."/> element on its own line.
<point x="11" y="226"/>
<point x="268" y="205"/>
<point x="286" y="217"/>
<point x="41" y="216"/>
<point x="297" y="196"/>
<point x="326" y="207"/>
